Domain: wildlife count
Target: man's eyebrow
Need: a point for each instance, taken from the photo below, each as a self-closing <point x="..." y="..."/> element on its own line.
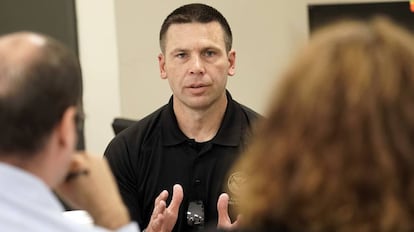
<point x="179" y="50"/>
<point x="210" y="48"/>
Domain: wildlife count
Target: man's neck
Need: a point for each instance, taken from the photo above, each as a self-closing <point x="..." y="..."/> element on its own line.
<point x="31" y="163"/>
<point x="201" y="125"/>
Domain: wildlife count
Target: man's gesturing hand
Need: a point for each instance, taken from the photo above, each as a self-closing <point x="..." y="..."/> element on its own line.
<point x="224" y="221"/>
<point x="163" y="218"/>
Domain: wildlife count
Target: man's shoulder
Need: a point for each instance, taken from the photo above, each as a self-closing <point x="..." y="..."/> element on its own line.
<point x="135" y="135"/>
<point x="247" y="111"/>
<point x="142" y="127"/>
<point x="250" y="112"/>
<point x="149" y="121"/>
<point x="152" y="117"/>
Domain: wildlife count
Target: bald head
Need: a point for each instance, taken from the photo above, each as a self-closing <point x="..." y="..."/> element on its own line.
<point x="20" y="39"/>
<point x="17" y="52"/>
<point x="39" y="79"/>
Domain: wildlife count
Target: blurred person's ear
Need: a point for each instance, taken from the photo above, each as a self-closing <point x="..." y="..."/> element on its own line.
<point x="67" y="129"/>
<point x="61" y="147"/>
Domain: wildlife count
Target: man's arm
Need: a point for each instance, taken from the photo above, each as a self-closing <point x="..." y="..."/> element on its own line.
<point x="122" y="164"/>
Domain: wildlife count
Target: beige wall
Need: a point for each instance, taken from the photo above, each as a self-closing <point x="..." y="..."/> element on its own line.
<point x="99" y="60"/>
<point x="119" y="48"/>
<point x="257" y="30"/>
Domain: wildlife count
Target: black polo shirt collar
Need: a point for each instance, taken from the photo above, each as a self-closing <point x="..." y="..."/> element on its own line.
<point x="228" y="134"/>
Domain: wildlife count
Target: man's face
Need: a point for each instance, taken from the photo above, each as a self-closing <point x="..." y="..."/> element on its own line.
<point x="196" y="64"/>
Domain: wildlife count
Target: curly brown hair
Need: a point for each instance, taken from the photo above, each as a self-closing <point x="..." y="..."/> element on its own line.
<point x="336" y="151"/>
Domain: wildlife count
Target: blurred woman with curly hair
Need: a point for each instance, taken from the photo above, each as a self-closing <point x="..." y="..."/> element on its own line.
<point x="336" y="151"/>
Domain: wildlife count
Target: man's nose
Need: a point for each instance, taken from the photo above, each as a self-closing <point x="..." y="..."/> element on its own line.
<point x="197" y="66"/>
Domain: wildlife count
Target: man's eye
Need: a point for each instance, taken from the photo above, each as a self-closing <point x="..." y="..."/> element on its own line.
<point x="180" y="55"/>
<point x="209" y="53"/>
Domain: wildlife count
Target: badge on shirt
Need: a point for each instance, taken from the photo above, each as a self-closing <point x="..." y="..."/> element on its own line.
<point x="234" y="184"/>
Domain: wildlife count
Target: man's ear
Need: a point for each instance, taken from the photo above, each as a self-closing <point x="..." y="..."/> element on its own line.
<point x="67" y="128"/>
<point x="161" y="64"/>
<point x="232" y="61"/>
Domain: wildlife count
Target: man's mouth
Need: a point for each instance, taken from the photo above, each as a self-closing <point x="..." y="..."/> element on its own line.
<point x="197" y="86"/>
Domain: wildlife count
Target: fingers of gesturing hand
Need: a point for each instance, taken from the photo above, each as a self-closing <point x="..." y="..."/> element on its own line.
<point x="157" y="217"/>
<point x="161" y="197"/>
<point x="177" y="198"/>
<point x="163" y="218"/>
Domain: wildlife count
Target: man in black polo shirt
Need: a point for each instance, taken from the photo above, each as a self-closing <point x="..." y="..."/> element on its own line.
<point x="192" y="140"/>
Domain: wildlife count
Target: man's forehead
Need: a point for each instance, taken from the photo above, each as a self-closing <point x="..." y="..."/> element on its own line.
<point x="188" y="34"/>
<point x="192" y="26"/>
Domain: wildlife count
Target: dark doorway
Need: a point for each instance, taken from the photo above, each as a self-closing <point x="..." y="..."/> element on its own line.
<point x="56" y="18"/>
<point x="398" y="11"/>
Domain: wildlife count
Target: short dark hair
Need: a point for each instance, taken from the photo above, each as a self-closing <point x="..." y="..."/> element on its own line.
<point x="37" y="96"/>
<point x="196" y="12"/>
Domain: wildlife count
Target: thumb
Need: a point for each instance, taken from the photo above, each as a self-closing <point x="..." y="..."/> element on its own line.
<point x="222" y="208"/>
